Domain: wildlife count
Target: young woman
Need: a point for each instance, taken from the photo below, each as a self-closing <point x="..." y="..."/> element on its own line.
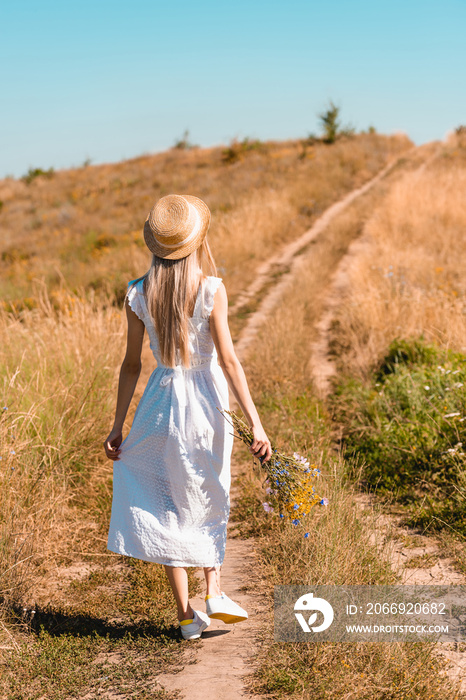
<point x="171" y="476"/>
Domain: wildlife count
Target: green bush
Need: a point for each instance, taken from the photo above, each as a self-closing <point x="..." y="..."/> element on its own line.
<point x="237" y="149"/>
<point x="409" y="426"/>
<point x="331" y="126"/>
<point x="32" y="173"/>
<point x="184" y="143"/>
<point x="329" y="123"/>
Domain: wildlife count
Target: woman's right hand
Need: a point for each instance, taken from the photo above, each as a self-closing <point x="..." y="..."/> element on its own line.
<point x="260" y="446"/>
<point x="112" y="445"/>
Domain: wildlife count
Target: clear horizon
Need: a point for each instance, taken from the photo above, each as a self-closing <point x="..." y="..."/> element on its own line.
<point x="113" y="81"/>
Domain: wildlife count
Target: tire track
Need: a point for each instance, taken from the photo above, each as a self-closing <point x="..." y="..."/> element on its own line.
<point x="290" y="257"/>
<point x="321" y="367"/>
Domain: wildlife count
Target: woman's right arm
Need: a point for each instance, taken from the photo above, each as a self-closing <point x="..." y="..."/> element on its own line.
<point x="129" y="375"/>
<point x="234" y="372"/>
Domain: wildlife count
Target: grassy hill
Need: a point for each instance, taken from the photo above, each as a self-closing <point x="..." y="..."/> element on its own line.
<point x="83" y="227"/>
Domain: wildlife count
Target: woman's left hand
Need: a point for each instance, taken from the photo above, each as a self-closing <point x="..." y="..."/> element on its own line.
<point x="112" y="445"/>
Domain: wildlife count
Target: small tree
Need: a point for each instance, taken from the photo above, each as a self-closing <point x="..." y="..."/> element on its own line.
<point x="184" y="142"/>
<point x="330" y="124"/>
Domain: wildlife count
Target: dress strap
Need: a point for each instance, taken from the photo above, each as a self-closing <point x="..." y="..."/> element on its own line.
<point x="136" y="299"/>
<point x="205" y="296"/>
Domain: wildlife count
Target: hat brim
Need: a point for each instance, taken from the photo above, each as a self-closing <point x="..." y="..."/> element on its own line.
<point x="184" y="250"/>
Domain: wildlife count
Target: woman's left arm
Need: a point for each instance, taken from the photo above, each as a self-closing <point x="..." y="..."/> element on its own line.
<point x="129" y="375"/>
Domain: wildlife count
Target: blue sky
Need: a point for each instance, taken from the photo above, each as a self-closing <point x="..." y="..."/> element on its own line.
<point x="112" y="80"/>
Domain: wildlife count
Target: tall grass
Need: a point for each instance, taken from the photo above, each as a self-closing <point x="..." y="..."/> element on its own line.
<point x="343" y="546"/>
<point x="409" y="280"/>
<point x="57" y="370"/>
<point x="407" y="283"/>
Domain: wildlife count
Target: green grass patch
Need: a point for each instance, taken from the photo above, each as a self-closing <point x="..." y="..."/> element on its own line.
<point x="408" y="424"/>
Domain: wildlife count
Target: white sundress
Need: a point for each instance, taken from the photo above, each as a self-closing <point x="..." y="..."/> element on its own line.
<point x="171" y="485"/>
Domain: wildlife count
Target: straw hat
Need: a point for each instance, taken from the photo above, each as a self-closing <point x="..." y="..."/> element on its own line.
<point x="176" y="225"/>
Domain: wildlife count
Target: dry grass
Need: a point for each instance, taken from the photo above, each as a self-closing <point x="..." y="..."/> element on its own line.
<point x="61" y="356"/>
<point x="85" y="607"/>
<point x="272" y="362"/>
<point x="342" y="547"/>
<point x="409" y="279"/>
<point x="79" y="232"/>
<point x="86" y="224"/>
<point x="56" y="370"/>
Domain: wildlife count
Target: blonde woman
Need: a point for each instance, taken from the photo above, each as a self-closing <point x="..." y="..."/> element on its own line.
<point x="171" y="474"/>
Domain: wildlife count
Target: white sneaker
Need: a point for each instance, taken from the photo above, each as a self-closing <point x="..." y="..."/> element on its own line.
<point x="221" y="607"/>
<point x="192" y="629"/>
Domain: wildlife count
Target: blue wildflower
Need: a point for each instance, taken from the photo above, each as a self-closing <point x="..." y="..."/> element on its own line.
<point x="281" y="515"/>
<point x="295" y="521"/>
<point x="306" y="534"/>
<point x="296" y="506"/>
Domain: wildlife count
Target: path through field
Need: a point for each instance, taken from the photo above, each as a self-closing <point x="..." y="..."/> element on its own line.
<point x="222" y="662"/>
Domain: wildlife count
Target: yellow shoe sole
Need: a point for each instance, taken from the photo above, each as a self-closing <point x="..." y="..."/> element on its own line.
<point x="229" y="619"/>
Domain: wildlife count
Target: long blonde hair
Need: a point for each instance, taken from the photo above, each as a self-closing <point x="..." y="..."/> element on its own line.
<point x="170" y="291"/>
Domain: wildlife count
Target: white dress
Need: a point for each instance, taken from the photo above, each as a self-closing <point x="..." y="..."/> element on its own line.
<point x="171" y="485"/>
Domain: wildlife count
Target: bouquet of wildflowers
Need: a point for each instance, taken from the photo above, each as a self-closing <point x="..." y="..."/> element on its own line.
<point x="290" y="480"/>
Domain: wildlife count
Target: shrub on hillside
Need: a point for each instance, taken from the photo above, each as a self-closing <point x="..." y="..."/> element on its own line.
<point x="33" y="173"/>
<point x="237" y="149"/>
<point x="184" y="143"/>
